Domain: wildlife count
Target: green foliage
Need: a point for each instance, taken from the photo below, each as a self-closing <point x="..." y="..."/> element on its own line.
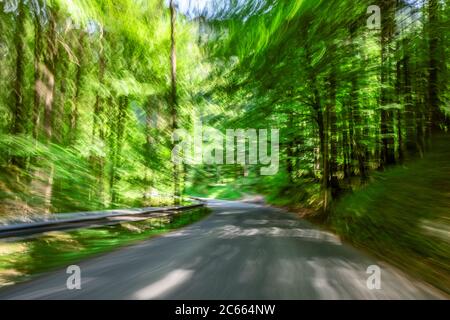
<point x="346" y="103"/>
<point x="91" y="99"/>
<point x="350" y="104"/>
<point x="87" y="126"/>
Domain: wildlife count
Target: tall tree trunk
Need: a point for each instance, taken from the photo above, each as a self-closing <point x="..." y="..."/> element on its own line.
<point x="97" y="127"/>
<point x="37" y="73"/>
<point x="322" y="124"/>
<point x="358" y="150"/>
<point x="119" y="130"/>
<point x="411" y="144"/>
<point x="346" y="146"/>
<point x="19" y="113"/>
<point x="333" y="134"/>
<point x="399" y="88"/>
<point x="97" y="161"/>
<point x="74" y="112"/>
<point x="60" y="98"/>
<point x="173" y="96"/>
<point x="323" y="137"/>
<point x="49" y="71"/>
<point x="290" y="151"/>
<point x="386" y="125"/>
<point x="433" y="87"/>
<point x="48" y="88"/>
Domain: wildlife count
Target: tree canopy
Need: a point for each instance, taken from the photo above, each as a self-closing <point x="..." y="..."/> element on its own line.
<point x="93" y="91"/>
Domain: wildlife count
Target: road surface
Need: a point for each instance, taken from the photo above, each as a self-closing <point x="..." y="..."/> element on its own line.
<point x="240" y="251"/>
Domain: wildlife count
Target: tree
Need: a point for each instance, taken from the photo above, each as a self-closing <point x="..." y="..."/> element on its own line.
<point x="173" y="95"/>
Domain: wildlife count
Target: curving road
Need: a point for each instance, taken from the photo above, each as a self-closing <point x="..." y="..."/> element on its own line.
<point x="241" y="251"/>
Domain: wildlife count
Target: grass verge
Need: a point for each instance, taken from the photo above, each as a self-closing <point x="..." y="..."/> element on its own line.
<point x="21" y="259"/>
<point x="403" y="217"/>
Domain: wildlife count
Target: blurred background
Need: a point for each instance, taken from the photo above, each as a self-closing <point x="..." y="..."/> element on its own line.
<point x="93" y="90"/>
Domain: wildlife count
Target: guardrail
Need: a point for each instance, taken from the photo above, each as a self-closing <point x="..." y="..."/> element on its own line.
<point x="91" y="219"/>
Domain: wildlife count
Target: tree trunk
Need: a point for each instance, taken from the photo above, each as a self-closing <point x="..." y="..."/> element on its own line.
<point x="290" y="151"/>
<point x="97" y="161"/>
<point x="49" y="74"/>
<point x="78" y="76"/>
<point x="37" y="74"/>
<point x="321" y="120"/>
<point x="49" y="93"/>
<point x="333" y="134"/>
<point x="433" y="87"/>
<point x="356" y="121"/>
<point x="386" y="125"/>
<point x="173" y="96"/>
<point x="399" y="88"/>
<point x="119" y="129"/>
<point x="19" y="113"/>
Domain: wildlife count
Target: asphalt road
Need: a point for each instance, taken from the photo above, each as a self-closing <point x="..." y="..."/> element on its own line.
<point x="240" y="251"/>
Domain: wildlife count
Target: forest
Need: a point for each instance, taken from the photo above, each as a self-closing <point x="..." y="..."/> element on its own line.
<point x="93" y="90"/>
